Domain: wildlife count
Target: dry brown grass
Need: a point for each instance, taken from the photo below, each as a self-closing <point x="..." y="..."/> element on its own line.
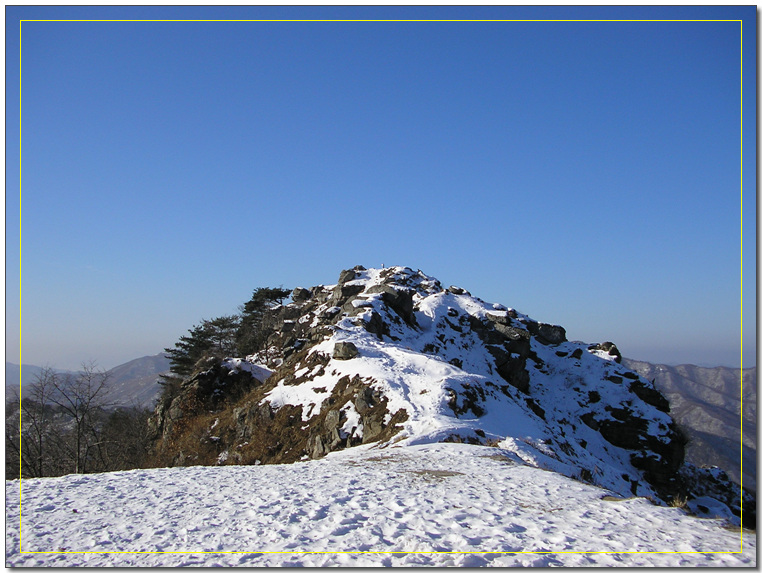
<point x="679" y="501"/>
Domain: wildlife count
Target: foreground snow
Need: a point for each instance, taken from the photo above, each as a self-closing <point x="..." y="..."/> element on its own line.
<point x="434" y="504"/>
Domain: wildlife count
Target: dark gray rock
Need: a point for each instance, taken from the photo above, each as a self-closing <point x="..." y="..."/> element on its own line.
<point x="548" y="334"/>
<point x="649" y="395"/>
<point x="517" y="339"/>
<point x="315" y="447"/>
<point x="376" y="325"/>
<point x="497" y="319"/>
<point x="300" y="294"/>
<point x="511" y="368"/>
<point x="372" y="427"/>
<point x="350" y="274"/>
<point x="332" y="420"/>
<point x="707" y="403"/>
<point x="344" y="293"/>
<point x="345" y="351"/>
<point x="400" y="300"/>
<point x="551" y="333"/>
<point x="609" y="347"/>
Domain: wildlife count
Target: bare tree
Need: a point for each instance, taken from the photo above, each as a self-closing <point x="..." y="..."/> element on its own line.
<point x="125" y="436"/>
<point x="65" y="423"/>
<point x="12" y="440"/>
<point x="29" y="428"/>
<point x="81" y="397"/>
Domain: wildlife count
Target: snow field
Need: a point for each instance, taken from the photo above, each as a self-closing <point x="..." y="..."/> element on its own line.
<point x="479" y="503"/>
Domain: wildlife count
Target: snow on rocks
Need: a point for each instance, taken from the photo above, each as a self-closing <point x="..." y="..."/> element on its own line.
<point x="427" y="505"/>
<point x="390" y="356"/>
<point x="257" y="371"/>
<point x="465" y="370"/>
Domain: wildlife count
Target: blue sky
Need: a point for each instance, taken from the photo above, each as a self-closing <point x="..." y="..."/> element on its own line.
<point x="588" y="174"/>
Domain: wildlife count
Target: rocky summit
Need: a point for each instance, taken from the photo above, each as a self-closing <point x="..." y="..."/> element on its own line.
<point x="390" y="357"/>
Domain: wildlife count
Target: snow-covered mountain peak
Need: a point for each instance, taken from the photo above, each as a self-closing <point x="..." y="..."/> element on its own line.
<point x="391" y="358"/>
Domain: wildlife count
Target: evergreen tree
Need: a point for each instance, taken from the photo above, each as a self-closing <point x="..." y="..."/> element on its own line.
<point x="216" y="337"/>
<point x="254" y="329"/>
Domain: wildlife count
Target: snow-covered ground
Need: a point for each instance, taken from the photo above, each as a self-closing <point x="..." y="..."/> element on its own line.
<point x="432" y="504"/>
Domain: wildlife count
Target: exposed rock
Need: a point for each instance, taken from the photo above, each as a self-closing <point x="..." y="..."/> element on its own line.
<point x="376" y="325"/>
<point x="608" y="347"/>
<point x="713" y="406"/>
<point x="300" y="294"/>
<point x="589" y="419"/>
<point x="497" y="319"/>
<point x="350" y="274"/>
<point x="650" y="395"/>
<point x="715" y="483"/>
<point x="546" y="333"/>
<point x="399" y="299"/>
<point x="551" y="333"/>
<point x="345" y="351"/>
<point x="346" y="276"/>
<point x="485" y="357"/>
<point x="342" y="294"/>
<point x="511" y="367"/>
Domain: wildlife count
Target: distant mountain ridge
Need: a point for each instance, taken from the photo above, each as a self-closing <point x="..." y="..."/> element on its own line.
<point x="26" y="373"/>
<point x="134" y="383"/>
<point x="706" y="402"/>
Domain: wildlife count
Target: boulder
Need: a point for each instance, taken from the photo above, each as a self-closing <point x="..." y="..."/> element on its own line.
<point x="608" y="347"/>
<point x="343" y="293"/>
<point x="350" y="274"/>
<point x="345" y="351"/>
<point x="399" y="300"/>
<point x="300" y="294"/>
<point x="548" y="334"/>
<point x="551" y="333"/>
<point x="512" y="369"/>
<point x="498" y="319"/>
<point x="376" y="325"/>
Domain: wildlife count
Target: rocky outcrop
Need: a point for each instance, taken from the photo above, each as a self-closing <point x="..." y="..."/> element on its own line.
<point x="713" y="405"/>
<point x="386" y="354"/>
<point x="213" y="385"/>
<point x="608" y="347"/>
<point x="707" y="484"/>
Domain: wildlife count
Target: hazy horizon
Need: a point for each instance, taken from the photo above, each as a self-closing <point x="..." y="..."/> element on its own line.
<point x="588" y="174"/>
<point x="109" y="367"/>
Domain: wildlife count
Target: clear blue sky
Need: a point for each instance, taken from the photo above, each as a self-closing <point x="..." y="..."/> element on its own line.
<point x="587" y="174"/>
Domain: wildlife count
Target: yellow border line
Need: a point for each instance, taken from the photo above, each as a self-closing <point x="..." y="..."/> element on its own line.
<point x="20" y="429"/>
<point x="742" y="280"/>
<point x="380" y="21"/>
<point x="386" y="552"/>
<point x="375" y="552"/>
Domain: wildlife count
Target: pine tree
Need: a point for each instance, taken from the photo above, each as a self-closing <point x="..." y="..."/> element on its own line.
<point x="254" y="329"/>
<point x="216" y="337"/>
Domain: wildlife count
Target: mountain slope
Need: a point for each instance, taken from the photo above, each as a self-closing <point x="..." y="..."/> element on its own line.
<point x="706" y="402"/>
<point x="135" y="382"/>
<point x="18" y="377"/>
<point x="398" y="506"/>
<point x="390" y="356"/>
